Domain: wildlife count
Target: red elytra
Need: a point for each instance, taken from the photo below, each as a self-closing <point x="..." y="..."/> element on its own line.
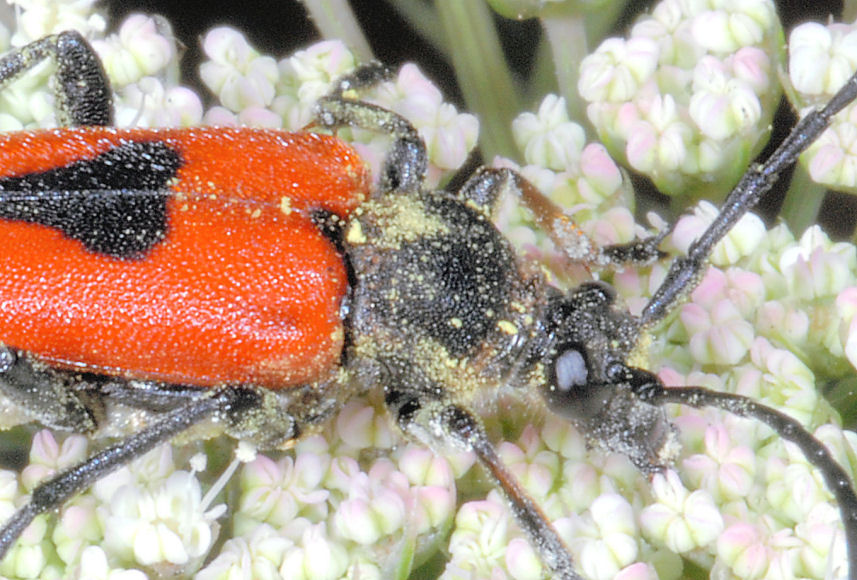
<point x="243" y="289"/>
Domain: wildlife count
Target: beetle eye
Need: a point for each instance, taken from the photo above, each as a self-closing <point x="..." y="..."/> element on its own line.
<point x="569" y="391"/>
<point x="570" y="370"/>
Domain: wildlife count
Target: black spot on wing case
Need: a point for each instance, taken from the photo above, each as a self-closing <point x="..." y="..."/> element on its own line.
<point x="114" y="204"/>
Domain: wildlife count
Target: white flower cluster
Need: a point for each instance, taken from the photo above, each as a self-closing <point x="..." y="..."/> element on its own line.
<point x="325" y="514"/>
<point x="36" y="19"/>
<point x="148" y="513"/>
<point x="139" y="59"/>
<point x="775" y="318"/>
<point x="821" y="58"/>
<point x="687" y="98"/>
<point x="256" y="90"/>
<point x="765" y="322"/>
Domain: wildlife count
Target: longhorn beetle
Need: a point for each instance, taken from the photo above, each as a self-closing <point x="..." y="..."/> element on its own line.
<point x="397" y="288"/>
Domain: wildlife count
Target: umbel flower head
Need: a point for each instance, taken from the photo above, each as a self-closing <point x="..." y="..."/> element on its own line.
<point x="686" y="99"/>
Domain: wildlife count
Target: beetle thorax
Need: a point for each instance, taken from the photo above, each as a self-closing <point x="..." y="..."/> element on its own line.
<point x="436" y="284"/>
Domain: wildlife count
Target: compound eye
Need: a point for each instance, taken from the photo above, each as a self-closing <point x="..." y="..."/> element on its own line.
<point x="570" y="370"/>
<point x="569" y="391"/>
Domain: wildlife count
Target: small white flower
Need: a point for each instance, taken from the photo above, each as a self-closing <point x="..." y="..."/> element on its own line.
<point x="361" y="426"/>
<point x="141" y="48"/>
<point x="726" y="470"/>
<point x="615" y="71"/>
<point x="723" y="106"/>
<point x="236" y="72"/>
<point x="164" y="524"/>
<point x="821" y="58"/>
<point x="78" y="527"/>
<point x="741" y="241"/>
<point x="152" y="468"/>
<point x="306" y="76"/>
<point x="257" y="556"/>
<point x="148" y="103"/>
<point x="432" y="488"/>
<point x="719" y="336"/>
<point x="372" y="509"/>
<point x="832" y="158"/>
<point x="478" y="542"/>
<point x="315" y="557"/>
<point x="780" y="379"/>
<point x="815" y="267"/>
<point x="686" y="97"/>
<point x="733" y="25"/>
<point x="746" y="549"/>
<point x="30" y="556"/>
<point x="604" y="540"/>
<point x="535" y="467"/>
<point x="94" y="566"/>
<point x="548" y="138"/>
<point x="276" y="492"/>
<point x="681" y="520"/>
<point x="39" y="18"/>
<point x="522" y="561"/>
<point x="823" y="554"/>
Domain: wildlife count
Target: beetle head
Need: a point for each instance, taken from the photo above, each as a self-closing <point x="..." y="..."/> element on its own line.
<point x="587" y="378"/>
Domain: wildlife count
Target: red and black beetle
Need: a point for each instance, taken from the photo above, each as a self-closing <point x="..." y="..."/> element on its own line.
<point x="128" y="249"/>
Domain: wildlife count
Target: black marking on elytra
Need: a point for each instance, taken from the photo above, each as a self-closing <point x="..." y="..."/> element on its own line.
<point x="330" y="225"/>
<point x="114" y="204"/>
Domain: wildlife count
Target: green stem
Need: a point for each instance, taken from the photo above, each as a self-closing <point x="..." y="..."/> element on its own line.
<point x="849" y="11"/>
<point x="481" y="72"/>
<point x="802" y="202"/>
<point x="567" y="38"/>
<point x="335" y="19"/>
<point x="542" y="79"/>
<point x="423" y="19"/>
<point x="570" y="34"/>
<point x="602" y="21"/>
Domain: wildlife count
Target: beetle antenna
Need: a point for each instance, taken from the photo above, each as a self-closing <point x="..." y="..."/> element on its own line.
<point x="60" y="488"/>
<point x="837" y="480"/>
<point x="686" y="271"/>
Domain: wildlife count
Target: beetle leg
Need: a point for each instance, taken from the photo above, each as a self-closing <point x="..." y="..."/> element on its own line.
<point x="436" y="422"/>
<point x="405" y="166"/>
<point x="268" y="419"/>
<point x="82" y="89"/>
<point x="264" y="417"/>
<point x="461" y="426"/>
<point x="63" y="486"/>
<point x="487" y="186"/>
<point x="362" y="78"/>
<point x="44" y="393"/>
<point x="148" y="395"/>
